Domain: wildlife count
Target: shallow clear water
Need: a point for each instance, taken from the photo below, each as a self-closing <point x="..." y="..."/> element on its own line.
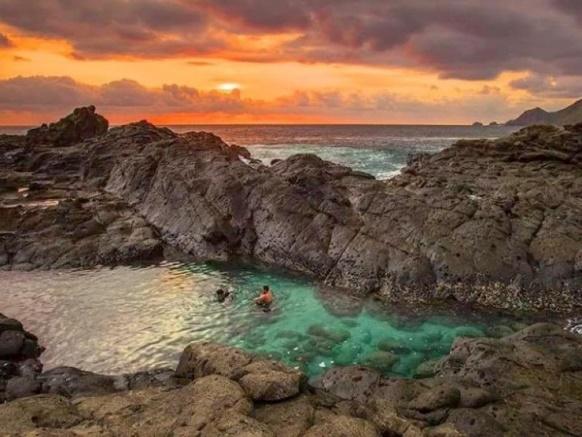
<point x="128" y="319"/>
<point x="380" y="150"/>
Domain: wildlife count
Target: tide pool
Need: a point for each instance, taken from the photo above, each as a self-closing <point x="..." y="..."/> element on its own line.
<point x="129" y="319"/>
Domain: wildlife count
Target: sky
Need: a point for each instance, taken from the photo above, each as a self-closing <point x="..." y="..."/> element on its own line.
<point x="288" y="61"/>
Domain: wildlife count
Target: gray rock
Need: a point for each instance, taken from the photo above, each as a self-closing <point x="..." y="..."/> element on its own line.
<point x="69" y="381"/>
<point x="203" y="359"/>
<point x="270" y="381"/>
<point x="22" y="386"/>
<point x="342" y="426"/>
<point x="290" y="419"/>
<point x="351" y="383"/>
<point x="11" y="343"/>
<point x="441" y="396"/>
<point x="416" y="238"/>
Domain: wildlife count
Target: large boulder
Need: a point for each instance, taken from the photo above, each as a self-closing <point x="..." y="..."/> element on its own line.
<point x="19" y="360"/>
<point x="205" y="358"/>
<point x="270" y="381"/>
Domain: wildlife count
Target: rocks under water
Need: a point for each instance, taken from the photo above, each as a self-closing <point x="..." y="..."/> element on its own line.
<point x="498" y="223"/>
<point x="527" y="383"/>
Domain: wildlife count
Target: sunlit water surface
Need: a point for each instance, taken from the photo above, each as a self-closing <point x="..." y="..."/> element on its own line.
<point x="129" y="319"/>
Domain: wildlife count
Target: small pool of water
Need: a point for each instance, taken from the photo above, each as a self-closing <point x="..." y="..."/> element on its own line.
<point x="129" y="319"/>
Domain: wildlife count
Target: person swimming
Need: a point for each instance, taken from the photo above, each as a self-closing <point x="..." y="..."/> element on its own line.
<point x="265" y="299"/>
<point x="224" y="296"/>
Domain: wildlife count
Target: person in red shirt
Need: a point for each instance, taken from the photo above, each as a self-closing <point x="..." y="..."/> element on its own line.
<point x="265" y="299"/>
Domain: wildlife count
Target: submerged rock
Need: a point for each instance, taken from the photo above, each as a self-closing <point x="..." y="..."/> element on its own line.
<point x="380" y="360"/>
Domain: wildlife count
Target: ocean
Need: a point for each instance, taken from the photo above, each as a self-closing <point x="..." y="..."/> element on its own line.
<point x="380" y="150"/>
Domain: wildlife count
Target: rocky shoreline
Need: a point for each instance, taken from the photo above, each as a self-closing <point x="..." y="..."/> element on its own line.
<point x="494" y="223"/>
<point x="527" y="383"/>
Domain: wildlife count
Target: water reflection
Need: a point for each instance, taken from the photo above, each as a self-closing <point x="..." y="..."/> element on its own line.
<point x="129" y="319"/>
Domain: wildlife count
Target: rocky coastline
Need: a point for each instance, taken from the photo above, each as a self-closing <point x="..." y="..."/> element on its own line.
<point x="527" y="383"/>
<point x="496" y="223"/>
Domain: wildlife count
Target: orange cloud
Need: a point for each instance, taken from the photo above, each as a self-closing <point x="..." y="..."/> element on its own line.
<point x="26" y="100"/>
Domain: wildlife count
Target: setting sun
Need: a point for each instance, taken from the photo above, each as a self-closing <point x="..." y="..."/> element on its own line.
<point x="228" y="87"/>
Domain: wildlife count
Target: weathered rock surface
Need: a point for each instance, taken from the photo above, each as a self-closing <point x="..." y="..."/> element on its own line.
<point x="262" y="380"/>
<point x="19" y="360"/>
<point x="83" y="123"/>
<point x="527" y="383"/>
<point x="497" y="222"/>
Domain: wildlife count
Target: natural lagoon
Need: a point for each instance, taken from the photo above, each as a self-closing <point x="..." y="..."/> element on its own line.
<point x="128" y="319"/>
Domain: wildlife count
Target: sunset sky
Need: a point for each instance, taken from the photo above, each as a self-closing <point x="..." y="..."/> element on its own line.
<point x="288" y="61"/>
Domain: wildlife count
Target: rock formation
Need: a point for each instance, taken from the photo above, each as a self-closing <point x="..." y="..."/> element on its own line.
<point x="569" y="115"/>
<point x="527" y="383"/>
<point x="19" y="363"/>
<point x="497" y="222"/>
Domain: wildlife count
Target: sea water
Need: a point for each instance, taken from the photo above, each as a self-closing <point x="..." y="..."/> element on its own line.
<point x="129" y="319"/>
<point x="380" y="150"/>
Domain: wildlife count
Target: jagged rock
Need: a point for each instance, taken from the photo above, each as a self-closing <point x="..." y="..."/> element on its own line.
<point x="416" y="238"/>
<point x="83" y="123"/>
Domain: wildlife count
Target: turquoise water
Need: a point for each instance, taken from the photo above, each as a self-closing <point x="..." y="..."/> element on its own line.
<point x="129" y="319"/>
<point x="311" y="331"/>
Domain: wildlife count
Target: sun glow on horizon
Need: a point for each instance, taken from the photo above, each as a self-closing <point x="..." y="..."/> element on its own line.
<point x="228" y="87"/>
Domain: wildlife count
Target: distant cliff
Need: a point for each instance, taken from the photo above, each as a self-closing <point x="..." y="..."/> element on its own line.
<point x="570" y="115"/>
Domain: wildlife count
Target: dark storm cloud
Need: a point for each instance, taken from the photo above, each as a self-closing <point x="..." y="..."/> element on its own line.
<point x="569" y="87"/>
<point x="144" y="28"/>
<point x="262" y="15"/>
<point x="573" y="7"/>
<point x="465" y="39"/>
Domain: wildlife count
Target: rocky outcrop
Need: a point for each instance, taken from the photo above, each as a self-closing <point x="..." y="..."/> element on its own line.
<point x="19" y="360"/>
<point x="83" y="123"/>
<point x="569" y="115"/>
<point x="262" y="380"/>
<point x="49" y="218"/>
<point x="524" y="384"/>
<point x="491" y="222"/>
